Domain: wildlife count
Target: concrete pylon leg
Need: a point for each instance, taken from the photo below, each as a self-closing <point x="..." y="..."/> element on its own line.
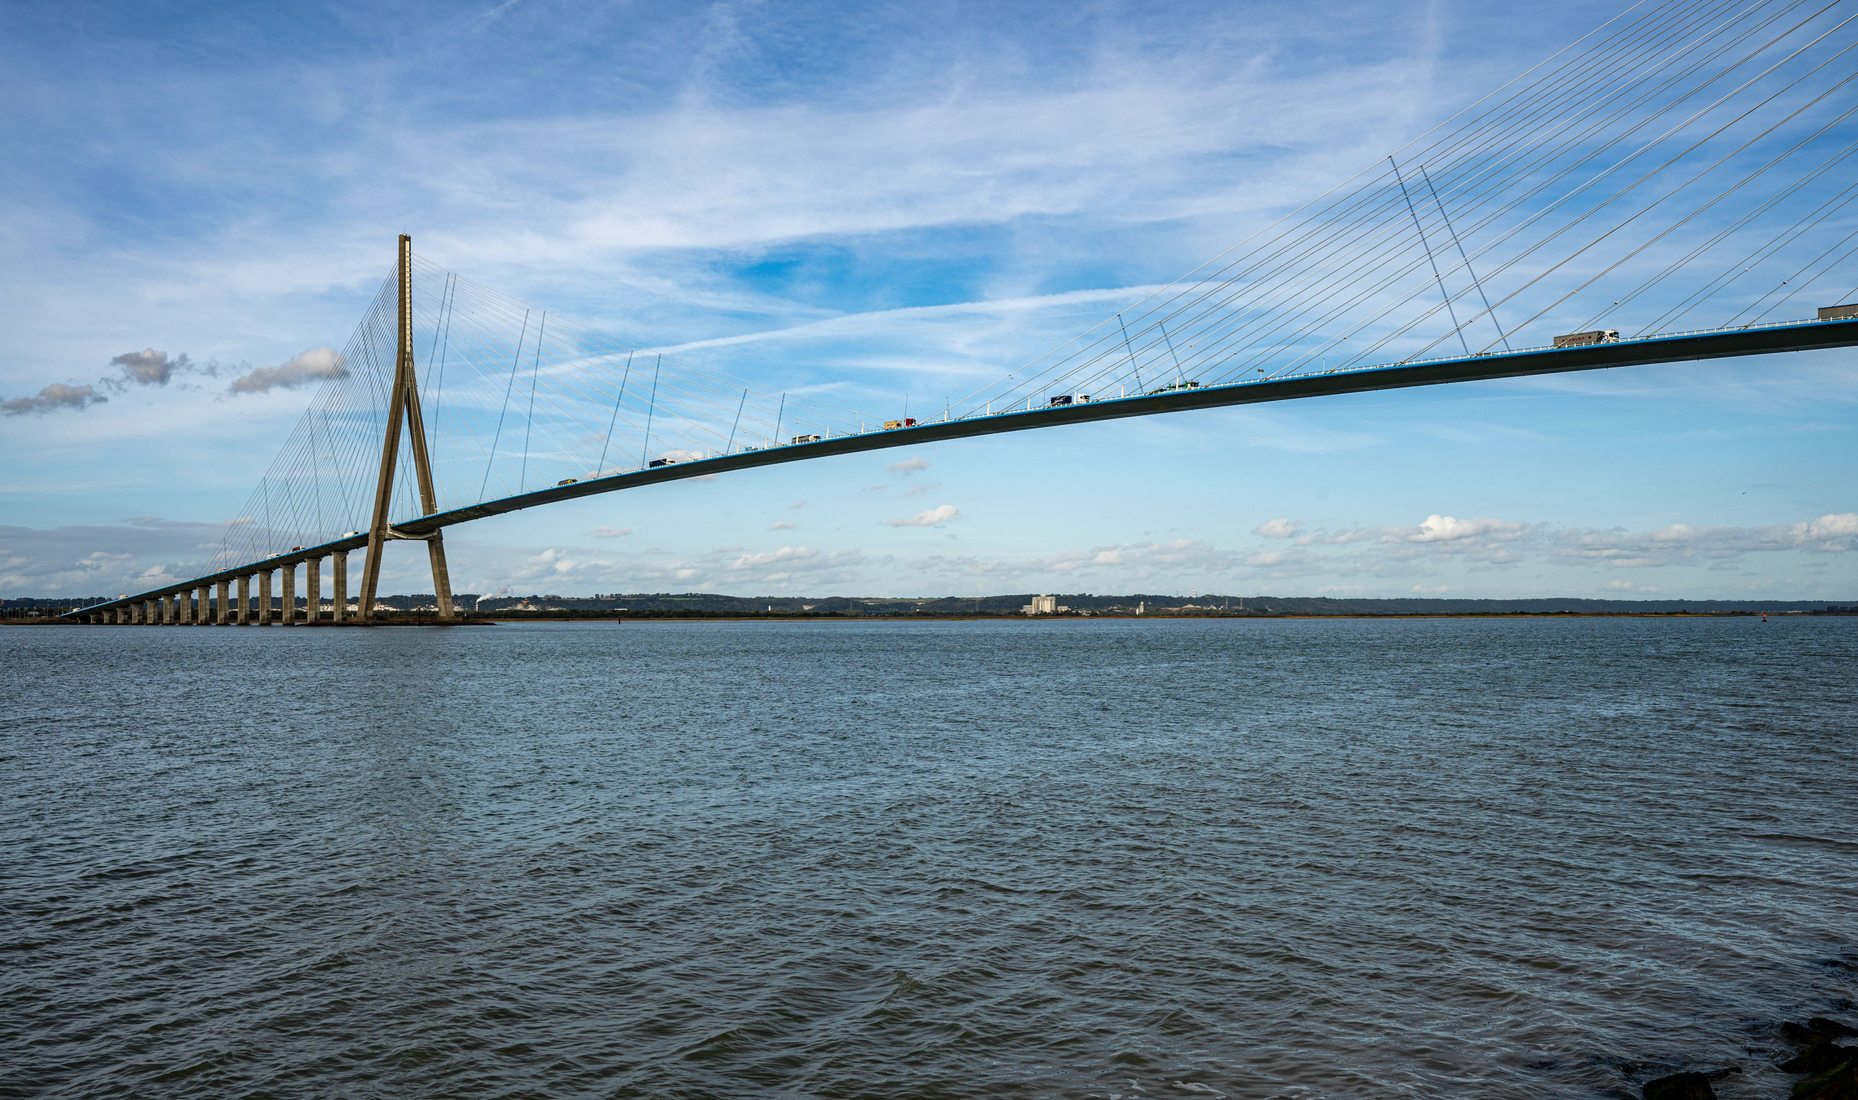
<point x="203" y="606"/>
<point x="184" y="608"/>
<point x="244" y="614"/>
<point x="289" y="604"/>
<point x="312" y="590"/>
<point x="339" y="567"/>
<point x="264" y="598"/>
<point x="222" y="612"/>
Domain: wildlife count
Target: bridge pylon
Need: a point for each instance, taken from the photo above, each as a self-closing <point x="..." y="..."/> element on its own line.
<point x="404" y="403"/>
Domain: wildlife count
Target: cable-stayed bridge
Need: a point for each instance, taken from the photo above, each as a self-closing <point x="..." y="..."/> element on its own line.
<point x="1676" y="186"/>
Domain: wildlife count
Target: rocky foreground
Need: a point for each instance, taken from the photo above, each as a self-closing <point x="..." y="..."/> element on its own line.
<point x="1825" y="1060"/>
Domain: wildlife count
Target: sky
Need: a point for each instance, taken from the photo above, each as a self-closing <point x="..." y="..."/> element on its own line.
<point x="200" y="203"/>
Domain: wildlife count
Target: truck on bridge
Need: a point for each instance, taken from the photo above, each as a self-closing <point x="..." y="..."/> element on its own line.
<point x="1587" y="339"/>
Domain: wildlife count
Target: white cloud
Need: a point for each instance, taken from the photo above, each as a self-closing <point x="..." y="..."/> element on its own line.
<point x="938" y="516"/>
<point x="314" y="365"/>
<point x="1438" y="528"/>
<point x="58" y="395"/>
<point x="149" y="367"/>
<point x="1836" y="531"/>
<point x="1277" y="529"/>
<point x="908" y="466"/>
<point x="605" y="532"/>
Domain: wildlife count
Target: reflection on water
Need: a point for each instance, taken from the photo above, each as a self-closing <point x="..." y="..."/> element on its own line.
<point x="1343" y="858"/>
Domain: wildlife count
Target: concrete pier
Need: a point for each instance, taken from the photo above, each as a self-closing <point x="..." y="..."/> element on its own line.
<point x="243" y="613"/>
<point x="288" y="609"/>
<point x="203" y="605"/>
<point x="184" y="608"/>
<point x="222" y="614"/>
<point x="339" y="568"/>
<point x="312" y="590"/>
<point x="264" y="597"/>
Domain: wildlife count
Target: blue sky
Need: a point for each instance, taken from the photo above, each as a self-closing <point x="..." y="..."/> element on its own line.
<point x="916" y="197"/>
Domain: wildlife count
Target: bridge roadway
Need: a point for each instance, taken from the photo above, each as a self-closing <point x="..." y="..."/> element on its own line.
<point x="1683" y="347"/>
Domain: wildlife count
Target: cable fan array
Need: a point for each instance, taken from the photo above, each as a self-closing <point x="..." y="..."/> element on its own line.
<point x="1685" y="164"/>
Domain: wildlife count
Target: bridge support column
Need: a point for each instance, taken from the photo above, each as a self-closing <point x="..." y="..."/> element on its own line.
<point x="184" y="607"/>
<point x="288" y="607"/>
<point x="339" y="604"/>
<point x="165" y="614"/>
<point x="403" y="404"/>
<point x="244" y="612"/>
<point x="312" y="590"/>
<point x="203" y="605"/>
<point x="122" y="614"/>
<point x="264" y="597"/>
<point x="222" y="612"/>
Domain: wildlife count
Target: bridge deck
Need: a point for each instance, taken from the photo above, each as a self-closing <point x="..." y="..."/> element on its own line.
<point x="1686" y="347"/>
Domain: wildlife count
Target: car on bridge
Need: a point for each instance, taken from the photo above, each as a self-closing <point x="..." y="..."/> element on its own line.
<point x="1068" y="399"/>
<point x="806" y="439"/>
<point x="906" y="422"/>
<point x="1171" y="387"/>
<point x="657" y="462"/>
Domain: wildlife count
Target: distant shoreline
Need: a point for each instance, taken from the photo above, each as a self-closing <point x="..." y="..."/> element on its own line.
<point x="723" y="616"/>
<point x="615" y="618"/>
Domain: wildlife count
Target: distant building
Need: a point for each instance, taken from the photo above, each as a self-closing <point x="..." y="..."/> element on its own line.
<point x="1044" y="605"/>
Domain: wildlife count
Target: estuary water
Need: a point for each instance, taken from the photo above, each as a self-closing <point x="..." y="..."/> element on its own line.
<point x="1430" y="858"/>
